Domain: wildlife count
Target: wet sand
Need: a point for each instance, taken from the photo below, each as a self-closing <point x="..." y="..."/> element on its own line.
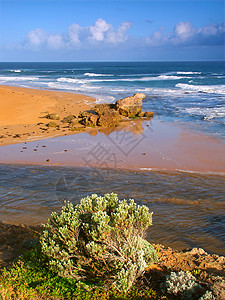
<point x="22" y="111"/>
<point x="139" y="145"/>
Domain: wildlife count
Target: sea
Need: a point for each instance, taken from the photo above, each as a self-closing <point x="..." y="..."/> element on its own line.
<point x="189" y="208"/>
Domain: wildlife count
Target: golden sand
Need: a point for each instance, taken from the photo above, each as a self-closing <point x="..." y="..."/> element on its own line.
<point x="22" y="109"/>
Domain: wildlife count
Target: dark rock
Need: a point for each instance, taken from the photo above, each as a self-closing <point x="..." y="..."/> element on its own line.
<point x="68" y="119"/>
<point x="109" y="118"/>
<point x="130" y="106"/>
<point x="52" y="116"/>
<point x="148" y="114"/>
<point x="88" y="118"/>
<point x="52" y="124"/>
<point x="141" y="114"/>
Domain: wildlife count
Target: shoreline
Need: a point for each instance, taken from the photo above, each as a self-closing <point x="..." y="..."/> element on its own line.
<point x="134" y="145"/>
<point x="23" y="110"/>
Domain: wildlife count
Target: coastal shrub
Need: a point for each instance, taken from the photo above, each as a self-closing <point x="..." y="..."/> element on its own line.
<point x="100" y="239"/>
<point x="182" y="284"/>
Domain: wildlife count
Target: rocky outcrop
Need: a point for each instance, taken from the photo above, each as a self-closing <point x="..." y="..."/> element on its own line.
<point x="130" y="106"/>
<point x="52" y="116"/>
<point x="101" y="108"/>
<point x="69" y="119"/>
<point x="88" y="118"/>
<point x="109" y="118"/>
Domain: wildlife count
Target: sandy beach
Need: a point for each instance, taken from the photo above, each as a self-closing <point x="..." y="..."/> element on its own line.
<point x="142" y="145"/>
<point x="22" y="111"/>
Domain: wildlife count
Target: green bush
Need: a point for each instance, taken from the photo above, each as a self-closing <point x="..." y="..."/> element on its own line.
<point x="99" y="240"/>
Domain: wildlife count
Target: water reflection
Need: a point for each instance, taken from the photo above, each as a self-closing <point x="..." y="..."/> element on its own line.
<point x="189" y="210"/>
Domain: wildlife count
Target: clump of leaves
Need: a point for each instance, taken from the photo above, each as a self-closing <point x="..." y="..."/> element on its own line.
<point x="182" y="284"/>
<point x="100" y="239"/>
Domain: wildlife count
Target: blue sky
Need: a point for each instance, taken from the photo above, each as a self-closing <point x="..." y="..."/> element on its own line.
<point x="73" y="30"/>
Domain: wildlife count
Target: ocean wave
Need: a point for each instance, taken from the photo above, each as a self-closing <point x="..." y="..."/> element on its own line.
<point x="15" y="71"/>
<point x="209" y="89"/>
<point x="208" y="113"/>
<point x="188" y="73"/>
<point x="83" y="81"/>
<point x="71" y="87"/>
<point x="19" y="78"/>
<point x="96" y="75"/>
<point x="71" y="80"/>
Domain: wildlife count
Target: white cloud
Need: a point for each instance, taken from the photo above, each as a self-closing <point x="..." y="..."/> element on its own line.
<point x="185" y="34"/>
<point x="104" y="34"/>
<point x="36" y="37"/>
<point x="184" y="30"/>
<point x="73" y="34"/>
<point x="78" y="37"/>
<point x="55" y="41"/>
<point x="100" y="29"/>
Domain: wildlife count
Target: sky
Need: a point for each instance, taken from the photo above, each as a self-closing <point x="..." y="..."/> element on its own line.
<point x="110" y="30"/>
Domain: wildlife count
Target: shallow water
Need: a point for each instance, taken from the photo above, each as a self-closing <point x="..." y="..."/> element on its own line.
<point x="189" y="209"/>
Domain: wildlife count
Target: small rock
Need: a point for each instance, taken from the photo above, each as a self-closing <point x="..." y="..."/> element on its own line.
<point x="198" y="251"/>
<point x="52" y="124"/>
<point x="68" y="119"/>
<point x="52" y="116"/>
<point x="141" y="114"/>
<point x="148" y="114"/>
<point x="88" y="118"/>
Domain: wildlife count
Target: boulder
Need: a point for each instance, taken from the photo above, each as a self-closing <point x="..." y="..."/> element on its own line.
<point x="52" y="124"/>
<point x="130" y="106"/>
<point x="52" y="116"/>
<point x="100" y="108"/>
<point x="141" y="114"/>
<point x="68" y="119"/>
<point x="148" y="114"/>
<point x="88" y="118"/>
<point x="109" y="118"/>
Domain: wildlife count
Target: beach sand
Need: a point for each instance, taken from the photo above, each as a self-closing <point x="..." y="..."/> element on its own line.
<point x="137" y="145"/>
<point x="22" y="109"/>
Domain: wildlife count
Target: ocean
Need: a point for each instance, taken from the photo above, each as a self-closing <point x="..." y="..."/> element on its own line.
<point x="190" y="93"/>
<point x="189" y="208"/>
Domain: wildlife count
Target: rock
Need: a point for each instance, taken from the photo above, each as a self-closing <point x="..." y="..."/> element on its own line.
<point x="198" y="251"/>
<point x="148" y="114"/>
<point x="100" y="108"/>
<point x="74" y="122"/>
<point x="88" y="118"/>
<point x="218" y="289"/>
<point x="52" y="116"/>
<point x="109" y="118"/>
<point x="130" y="106"/>
<point x="141" y="114"/>
<point x="68" y="119"/>
<point x="52" y="124"/>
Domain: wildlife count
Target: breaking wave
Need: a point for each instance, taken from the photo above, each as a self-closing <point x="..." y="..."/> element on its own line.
<point x="209" y="89"/>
